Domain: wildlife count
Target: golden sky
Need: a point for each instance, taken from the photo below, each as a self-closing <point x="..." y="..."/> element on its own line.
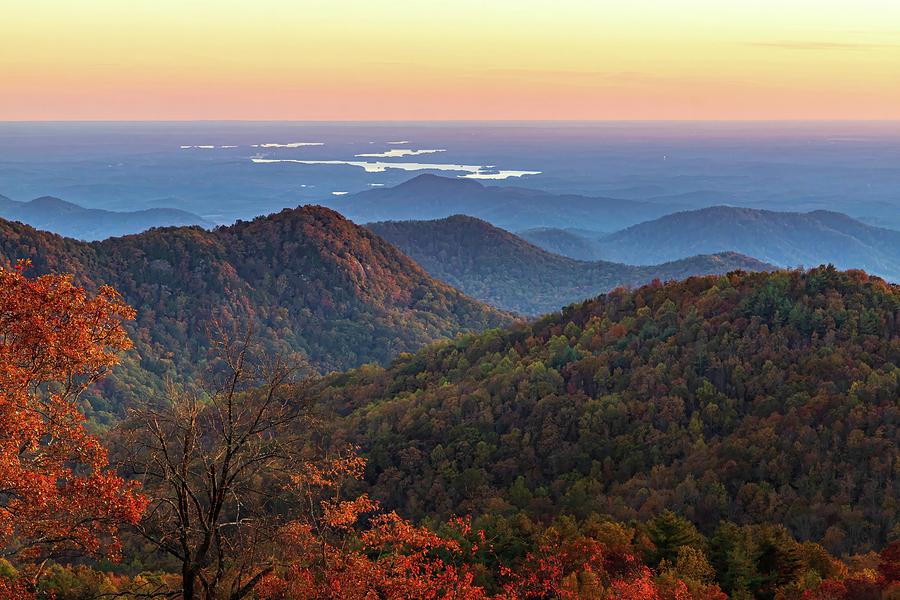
<point x="450" y="59"/>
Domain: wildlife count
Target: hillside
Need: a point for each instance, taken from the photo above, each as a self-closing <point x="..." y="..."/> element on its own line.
<point x="71" y="220"/>
<point x="504" y="270"/>
<point x="513" y="208"/>
<point x="307" y="280"/>
<point x="750" y="397"/>
<point x="580" y="245"/>
<point x="783" y="238"/>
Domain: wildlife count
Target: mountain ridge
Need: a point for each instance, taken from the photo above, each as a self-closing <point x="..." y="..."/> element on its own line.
<point x="428" y="197"/>
<point x="784" y="238"/>
<point x="502" y="269"/>
<point x="749" y="397"/>
<point x="306" y="280"/>
<point x="68" y="219"/>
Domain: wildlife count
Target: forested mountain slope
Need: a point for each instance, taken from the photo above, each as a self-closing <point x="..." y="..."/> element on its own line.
<point x="504" y="270"/>
<point x="306" y="280"/>
<point x="748" y="397"/>
<point x="577" y="244"/>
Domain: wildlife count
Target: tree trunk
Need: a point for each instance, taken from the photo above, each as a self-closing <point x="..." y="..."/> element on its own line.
<point x="188" y="578"/>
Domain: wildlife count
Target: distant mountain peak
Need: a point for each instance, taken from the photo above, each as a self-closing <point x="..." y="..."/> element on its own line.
<point x="500" y="268"/>
<point x="432" y="182"/>
<point x="513" y="208"/>
<point x="787" y="239"/>
<point x="306" y="279"/>
<point x="68" y="219"/>
<point x="52" y="203"/>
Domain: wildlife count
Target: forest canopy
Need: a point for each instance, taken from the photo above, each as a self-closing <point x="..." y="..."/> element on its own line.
<point x="720" y="437"/>
<point x="750" y="398"/>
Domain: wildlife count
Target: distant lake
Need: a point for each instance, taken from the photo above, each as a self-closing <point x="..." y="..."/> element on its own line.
<point x="229" y="170"/>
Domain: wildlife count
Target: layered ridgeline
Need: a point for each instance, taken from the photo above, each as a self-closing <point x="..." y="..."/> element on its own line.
<point x="580" y="244"/>
<point x="504" y="270"/>
<point x="513" y="208"/>
<point x="749" y="397"/>
<point x="71" y="220"/>
<point x="307" y="280"/>
<point x="784" y="238"/>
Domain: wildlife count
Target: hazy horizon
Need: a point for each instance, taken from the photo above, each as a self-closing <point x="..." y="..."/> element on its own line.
<point x="223" y="171"/>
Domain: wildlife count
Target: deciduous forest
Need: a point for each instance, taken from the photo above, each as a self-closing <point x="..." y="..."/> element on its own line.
<point x="722" y="436"/>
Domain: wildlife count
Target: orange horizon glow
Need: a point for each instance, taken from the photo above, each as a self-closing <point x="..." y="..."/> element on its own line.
<point x="420" y="60"/>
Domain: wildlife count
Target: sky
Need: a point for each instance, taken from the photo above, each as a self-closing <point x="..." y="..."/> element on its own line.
<point x="449" y="59"/>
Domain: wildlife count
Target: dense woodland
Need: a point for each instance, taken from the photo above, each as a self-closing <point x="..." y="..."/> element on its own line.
<point x="730" y="436"/>
<point x="746" y="398"/>
<point x="307" y="281"/>
<point x="504" y="270"/>
<point x="580" y="244"/>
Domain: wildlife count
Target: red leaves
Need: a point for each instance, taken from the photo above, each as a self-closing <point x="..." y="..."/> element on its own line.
<point x="554" y="570"/>
<point x="14" y="588"/>
<point x="640" y="588"/>
<point x="59" y="493"/>
<point x="346" y="549"/>
<point x="890" y="562"/>
<point x="331" y="555"/>
<point x="866" y="583"/>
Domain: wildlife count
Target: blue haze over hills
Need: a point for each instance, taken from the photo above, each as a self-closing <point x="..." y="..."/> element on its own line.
<point x="788" y="194"/>
<point x="853" y="168"/>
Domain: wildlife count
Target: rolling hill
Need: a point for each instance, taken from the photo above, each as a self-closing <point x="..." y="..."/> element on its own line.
<point x="504" y="270"/>
<point x="428" y="197"/>
<point x="307" y="280"/>
<point x="71" y="220"/>
<point x="783" y="238"/>
<point x="577" y="244"/>
<point x="754" y="398"/>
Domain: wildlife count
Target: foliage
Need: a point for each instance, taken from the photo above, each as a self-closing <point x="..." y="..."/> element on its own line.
<point x="749" y="398"/>
<point x="59" y="494"/>
<point x="504" y="270"/>
<point x="305" y="280"/>
<point x="717" y="437"/>
<point x="214" y="469"/>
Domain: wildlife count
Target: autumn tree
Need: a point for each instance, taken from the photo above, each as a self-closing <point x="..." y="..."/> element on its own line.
<point x="345" y="548"/>
<point x="58" y="493"/>
<point x="216" y="466"/>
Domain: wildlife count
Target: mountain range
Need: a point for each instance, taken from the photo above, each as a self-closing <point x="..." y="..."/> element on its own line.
<point x="786" y="239"/>
<point x="427" y="197"/>
<point x="499" y="268"/>
<point x="71" y="220"/>
<point x="634" y="232"/>
<point x="306" y="280"/>
<point x="580" y="244"/>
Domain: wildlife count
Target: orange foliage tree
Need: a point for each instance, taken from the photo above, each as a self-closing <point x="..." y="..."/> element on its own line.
<point x="57" y="491"/>
<point x="347" y="549"/>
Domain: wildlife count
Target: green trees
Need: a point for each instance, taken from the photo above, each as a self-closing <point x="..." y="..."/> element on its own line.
<point x="703" y="397"/>
<point x="670" y="535"/>
<point x="504" y="270"/>
<point x="307" y="280"/>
